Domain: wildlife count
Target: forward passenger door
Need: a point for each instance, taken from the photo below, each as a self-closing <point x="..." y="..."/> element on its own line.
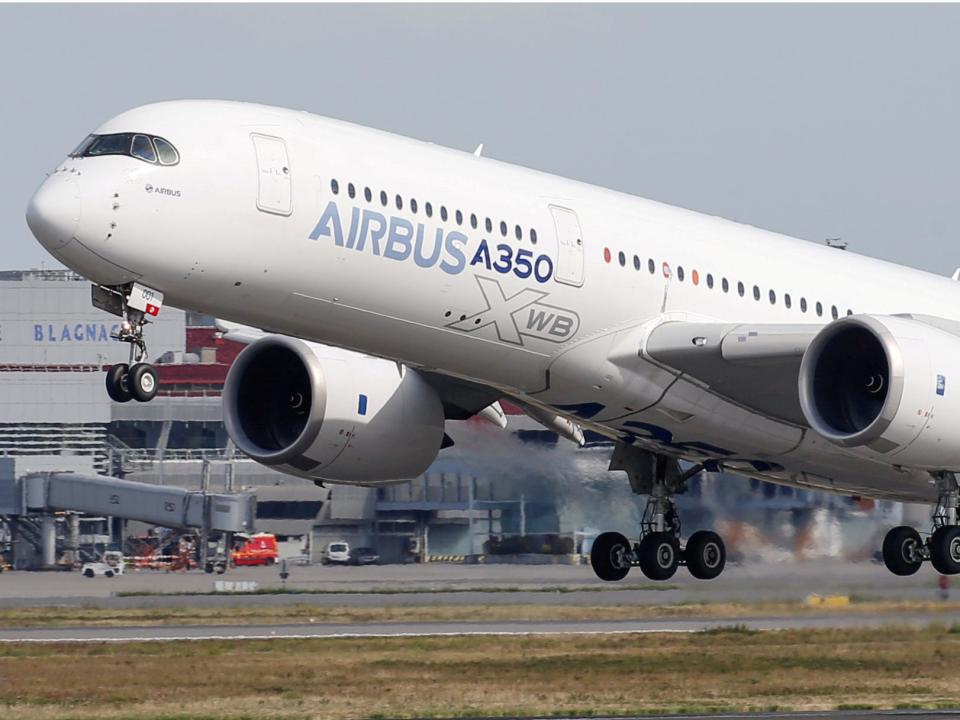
<point x="274" y="191"/>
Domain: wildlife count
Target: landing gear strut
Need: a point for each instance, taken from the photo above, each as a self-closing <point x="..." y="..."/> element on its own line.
<point x="136" y="379"/>
<point x="904" y="551"/>
<point x="658" y="553"/>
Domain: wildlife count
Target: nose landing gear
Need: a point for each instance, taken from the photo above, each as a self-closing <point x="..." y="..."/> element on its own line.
<point x="658" y="553"/>
<point x="904" y="551"/>
<point x="136" y="379"/>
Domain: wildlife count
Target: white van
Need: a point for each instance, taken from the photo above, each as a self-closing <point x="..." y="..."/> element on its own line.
<point x="336" y="553"/>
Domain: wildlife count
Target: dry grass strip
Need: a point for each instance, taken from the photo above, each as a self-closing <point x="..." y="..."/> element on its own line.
<point x="728" y="670"/>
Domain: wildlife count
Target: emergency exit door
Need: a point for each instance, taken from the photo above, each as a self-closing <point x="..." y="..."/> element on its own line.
<point x="274" y="194"/>
<point x="569" y="268"/>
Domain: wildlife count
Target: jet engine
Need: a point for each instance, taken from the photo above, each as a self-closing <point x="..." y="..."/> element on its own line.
<point x="881" y="385"/>
<point x="329" y="414"/>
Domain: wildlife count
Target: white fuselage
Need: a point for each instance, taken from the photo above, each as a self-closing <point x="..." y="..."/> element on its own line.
<point x="256" y="224"/>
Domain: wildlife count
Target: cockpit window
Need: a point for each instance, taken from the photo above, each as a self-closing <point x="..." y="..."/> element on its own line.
<point x="82" y="147"/>
<point x="143" y="149"/>
<point x="167" y="152"/>
<point x="110" y="145"/>
<point x="147" y="148"/>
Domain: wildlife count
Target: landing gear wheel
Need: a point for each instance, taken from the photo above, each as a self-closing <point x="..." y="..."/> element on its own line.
<point x="142" y="381"/>
<point x="901" y="550"/>
<point x="945" y="549"/>
<point x="659" y="555"/>
<point x="116" y="381"/>
<point x="610" y="556"/>
<point x="705" y="554"/>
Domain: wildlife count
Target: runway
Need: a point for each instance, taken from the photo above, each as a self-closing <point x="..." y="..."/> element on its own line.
<point x="304" y="631"/>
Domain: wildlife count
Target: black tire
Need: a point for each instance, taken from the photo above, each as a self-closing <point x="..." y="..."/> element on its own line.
<point x="659" y="555"/>
<point x="901" y="550"/>
<point x="116" y="382"/>
<point x="706" y="555"/>
<point x="609" y="556"/>
<point x="143" y="382"/>
<point x="88" y="573"/>
<point x="109" y="573"/>
<point x="945" y="549"/>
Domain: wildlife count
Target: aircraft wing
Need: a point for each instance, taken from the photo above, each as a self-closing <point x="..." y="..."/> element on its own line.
<point x="755" y="365"/>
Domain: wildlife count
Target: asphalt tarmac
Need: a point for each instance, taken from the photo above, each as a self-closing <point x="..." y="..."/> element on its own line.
<point x="168" y="633"/>
<point x="443" y="584"/>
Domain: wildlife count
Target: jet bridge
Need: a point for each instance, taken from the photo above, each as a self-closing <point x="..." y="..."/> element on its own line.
<point x="29" y="503"/>
<point x="155" y="504"/>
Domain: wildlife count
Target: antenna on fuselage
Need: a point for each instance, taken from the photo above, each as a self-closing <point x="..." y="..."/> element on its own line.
<point x="478" y="150"/>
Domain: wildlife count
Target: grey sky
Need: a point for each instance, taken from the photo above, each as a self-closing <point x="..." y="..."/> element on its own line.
<point x="811" y="120"/>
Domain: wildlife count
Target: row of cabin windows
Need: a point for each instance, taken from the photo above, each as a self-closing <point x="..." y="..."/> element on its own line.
<point x="428" y="211"/>
<point x="724" y="284"/>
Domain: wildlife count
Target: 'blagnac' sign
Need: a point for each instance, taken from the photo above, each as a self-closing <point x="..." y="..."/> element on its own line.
<point x="73" y="332"/>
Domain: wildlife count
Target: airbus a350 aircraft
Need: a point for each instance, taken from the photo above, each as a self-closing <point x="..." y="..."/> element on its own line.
<point x="395" y="284"/>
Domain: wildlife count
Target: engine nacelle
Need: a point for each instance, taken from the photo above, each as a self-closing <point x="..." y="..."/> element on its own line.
<point x="880" y="385"/>
<point x="329" y="414"/>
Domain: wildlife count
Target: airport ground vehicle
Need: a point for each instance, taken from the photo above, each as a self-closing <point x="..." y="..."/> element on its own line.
<point x="110" y="566"/>
<point x="260" y="549"/>
<point x="336" y="553"/>
<point x="364" y="556"/>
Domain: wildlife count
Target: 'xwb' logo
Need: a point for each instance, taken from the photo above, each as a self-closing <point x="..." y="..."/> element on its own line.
<point x="522" y="314"/>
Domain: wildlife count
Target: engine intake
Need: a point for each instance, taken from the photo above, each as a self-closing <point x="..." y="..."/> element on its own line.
<point x="878" y="384"/>
<point x="846" y="381"/>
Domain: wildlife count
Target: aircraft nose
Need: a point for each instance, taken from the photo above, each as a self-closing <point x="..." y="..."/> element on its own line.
<point x="54" y="211"/>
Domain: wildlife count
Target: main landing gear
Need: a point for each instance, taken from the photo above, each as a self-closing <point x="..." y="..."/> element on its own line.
<point x="904" y="550"/>
<point x="658" y="553"/>
<point x="136" y="379"/>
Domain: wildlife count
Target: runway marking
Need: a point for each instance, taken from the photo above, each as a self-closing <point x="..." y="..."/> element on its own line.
<point x="334" y="636"/>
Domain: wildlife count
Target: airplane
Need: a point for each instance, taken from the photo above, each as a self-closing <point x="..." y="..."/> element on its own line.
<point x="385" y="285"/>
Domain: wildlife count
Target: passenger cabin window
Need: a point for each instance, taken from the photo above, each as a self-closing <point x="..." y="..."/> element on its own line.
<point x="149" y="149"/>
<point x="533" y="236"/>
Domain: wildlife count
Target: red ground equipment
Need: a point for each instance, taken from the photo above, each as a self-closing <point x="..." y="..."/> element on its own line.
<point x="260" y="549"/>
